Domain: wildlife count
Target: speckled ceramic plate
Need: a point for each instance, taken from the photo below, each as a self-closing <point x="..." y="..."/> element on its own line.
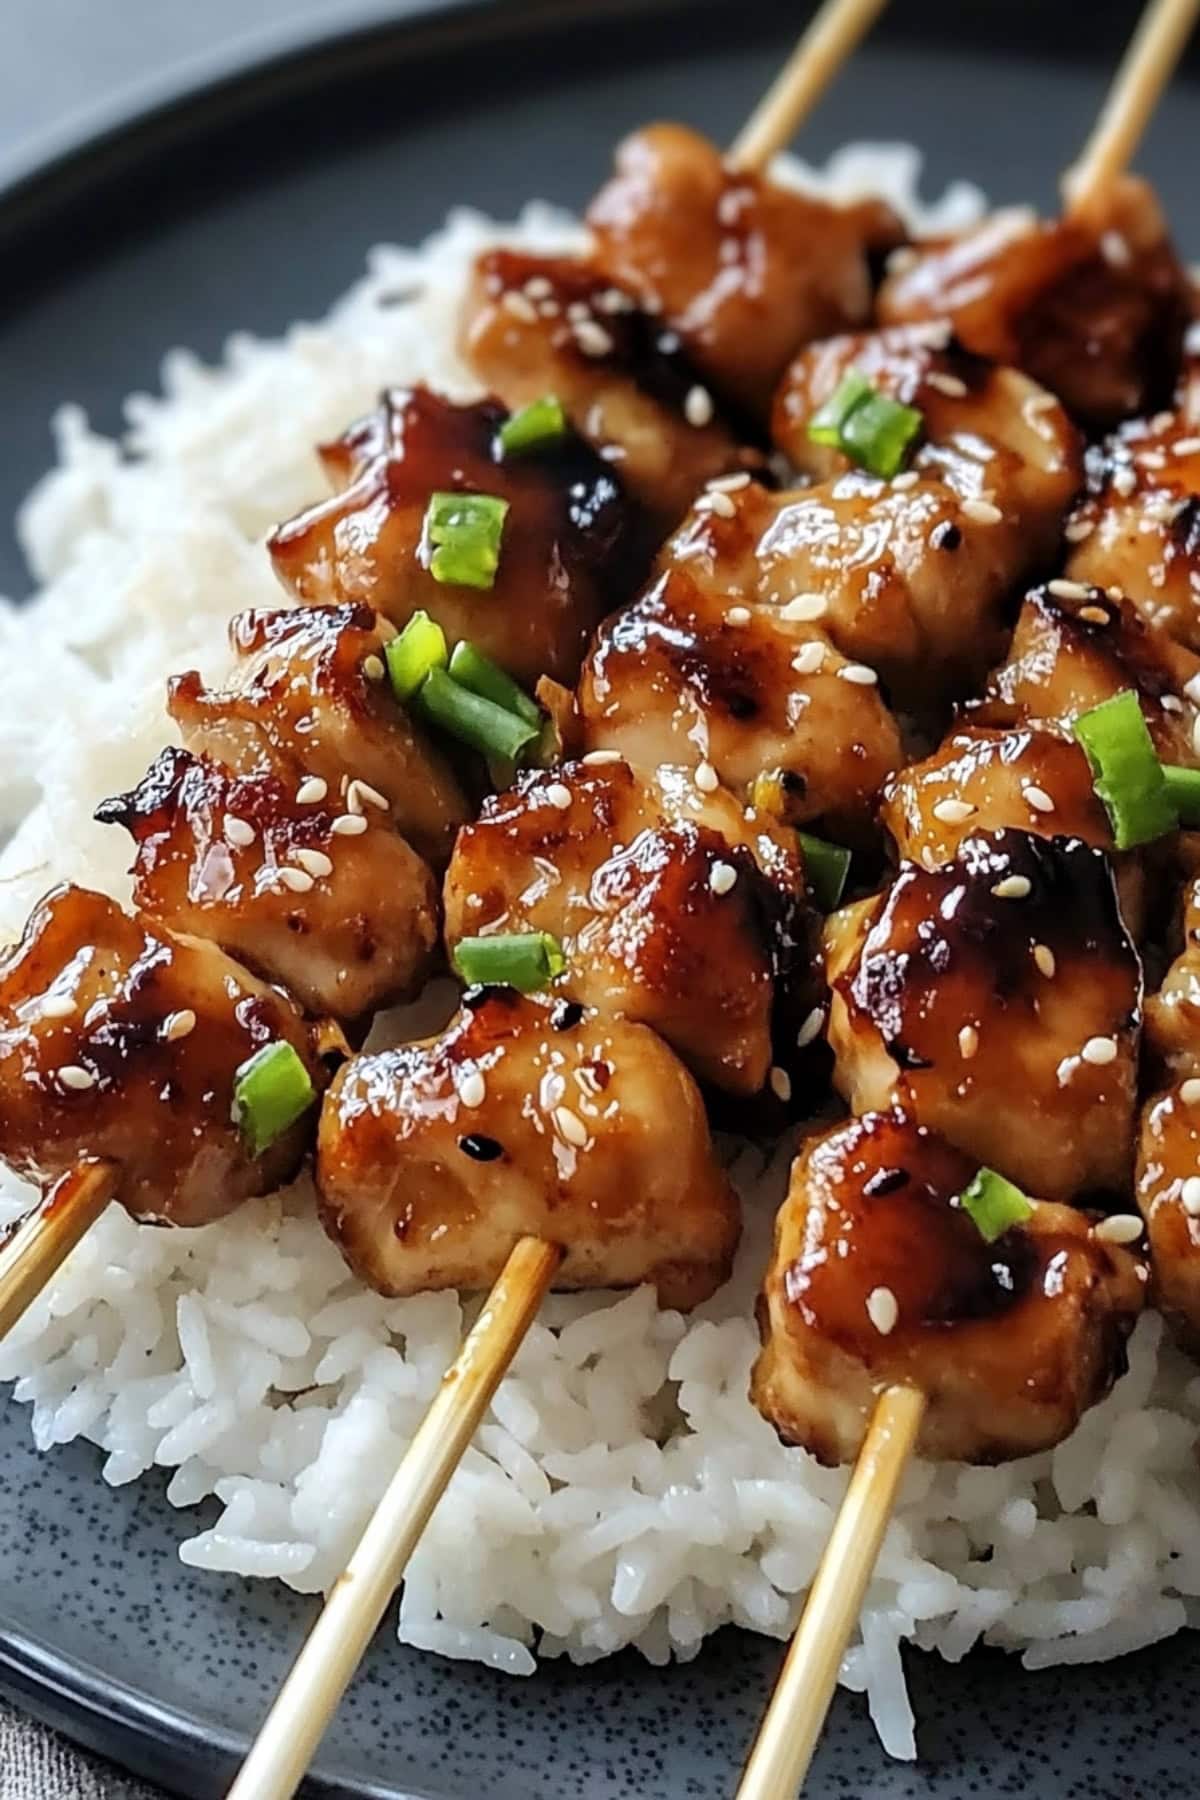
<point x="248" y="200"/>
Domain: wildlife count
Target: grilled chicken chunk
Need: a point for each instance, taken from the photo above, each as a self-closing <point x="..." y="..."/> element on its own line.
<point x="908" y="577"/>
<point x="120" y="1039"/>
<point x="1094" y="312"/>
<point x="562" y="548"/>
<point x="879" y="1277"/>
<point x="1168" y="1195"/>
<point x="674" y="907"/>
<point x="308" y="695"/>
<point x="998" y="1000"/>
<point x="1173" y="1013"/>
<point x="685" y="676"/>
<point x="348" y="922"/>
<point x="742" y="269"/>
<point x="526" y="1116"/>
<point x="537" y="325"/>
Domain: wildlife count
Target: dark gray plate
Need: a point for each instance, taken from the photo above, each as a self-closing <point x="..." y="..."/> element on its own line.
<point x="247" y="201"/>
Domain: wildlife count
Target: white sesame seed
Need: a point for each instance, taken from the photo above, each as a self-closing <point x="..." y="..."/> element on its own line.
<point x="1115" y="250"/>
<point x="1187" y="446"/>
<point x="592" y="338"/>
<point x="706" y="778"/>
<point x="361" y="793"/>
<point x="311" y="791"/>
<point x="1068" y="590"/>
<point x="1190" y="1195"/>
<point x="882" y="1310"/>
<point x="72" y="1076"/>
<point x="721" y="877"/>
<point x="594" y="758"/>
<point x="613" y="301"/>
<point x="968" y="1042"/>
<point x="1121" y="1228"/>
<point x="1099" y="1051"/>
<point x="570" y="1126"/>
<point x="982" y="511"/>
<point x="538" y="288"/>
<point x="1039" y="403"/>
<point x="238" y="832"/>
<point x="738" y="615"/>
<point x="928" y="859"/>
<point x="1077" y="529"/>
<point x="728" y="484"/>
<point x="811" y="1027"/>
<point x="373" y="668"/>
<point x="349" y="825"/>
<point x="1189" y="1091"/>
<point x="804" y="609"/>
<point x="472" y="1088"/>
<point x="296" y="879"/>
<point x="1124" y="480"/>
<point x="1037" y="798"/>
<point x="952" y="812"/>
<point x="946" y="384"/>
<point x="314" y="861"/>
<point x="178" y="1025"/>
<point x="903" y="482"/>
<point x="1043" y="956"/>
<point x="1095" y="615"/>
<point x="558" y="794"/>
<point x="859" y="674"/>
<point x="809" y="657"/>
<point x="698" y="407"/>
<point x="717" y="502"/>
<point x="1192" y="689"/>
<point x="781" y="1083"/>
<point x="57" y="1006"/>
<point x="901" y="260"/>
<point x="1013" y="887"/>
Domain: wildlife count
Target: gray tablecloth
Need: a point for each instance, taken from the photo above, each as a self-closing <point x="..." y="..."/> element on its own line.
<point x="37" y="1765"/>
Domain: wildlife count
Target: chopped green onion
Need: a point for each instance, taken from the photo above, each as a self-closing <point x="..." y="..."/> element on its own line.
<point x="472" y="669"/>
<point x="994" y="1205"/>
<point x="462" y="535"/>
<point x="1126" y="774"/>
<point x="525" y="960"/>
<point x="541" y="423"/>
<point x="825" y="869"/>
<point x="271" y="1090"/>
<point x="871" y="428"/>
<point x="421" y="646"/>
<point x="492" y="730"/>
<point x="1183" y="791"/>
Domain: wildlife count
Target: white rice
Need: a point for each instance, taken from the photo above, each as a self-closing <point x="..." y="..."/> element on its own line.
<point x="623" y="1490"/>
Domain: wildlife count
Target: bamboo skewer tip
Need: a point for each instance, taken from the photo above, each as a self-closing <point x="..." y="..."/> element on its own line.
<point x="833" y="34"/>
<point x="44" y="1239"/>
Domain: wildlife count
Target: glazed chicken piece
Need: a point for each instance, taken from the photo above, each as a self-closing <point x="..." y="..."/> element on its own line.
<point x="684" y="676"/>
<point x="527" y="1115"/>
<point x="562" y="549"/>
<point x="998" y="1000"/>
<point x="537" y="325"/>
<point x="348" y="922"/>
<point x="879" y="1277"/>
<point x="908" y="577"/>
<point x="119" y="1039"/>
<point x="1168" y="1196"/>
<point x="1173" y="1013"/>
<point x="309" y="695"/>
<point x="1094" y="312"/>
<point x="742" y="269"/>
<point x="673" y="906"/>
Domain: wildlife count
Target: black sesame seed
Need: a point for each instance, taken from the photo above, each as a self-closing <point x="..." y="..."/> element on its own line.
<point x="566" y="1015"/>
<point x="946" y="536"/>
<point x="480" y="1148"/>
<point x="885" y="1181"/>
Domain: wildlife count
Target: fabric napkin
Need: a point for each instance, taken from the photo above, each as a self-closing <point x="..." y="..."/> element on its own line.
<point x="37" y="1764"/>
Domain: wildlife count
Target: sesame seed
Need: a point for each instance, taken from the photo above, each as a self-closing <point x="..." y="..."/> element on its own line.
<point x="1124" y="480"/>
<point x="1190" y="1195"/>
<point x="361" y="793"/>
<point x="811" y="1027"/>
<point x="882" y="1310"/>
<point x="1099" y="1051"/>
<point x="570" y="1126"/>
<point x="349" y="825"/>
<point x="721" y="877"/>
<point x="1095" y="615"/>
<point x="809" y="657"/>
<point x="238" y="831"/>
<point x="1189" y="1091"/>
<point x="1039" y="403"/>
<point x="1013" y="887"/>
<point x="901" y="260"/>
<point x="314" y="861"/>
<point x="1038" y="798"/>
<point x="57" y="1006"/>
<point x="1068" y="590"/>
<point x="698" y="407"/>
<point x="373" y="668"/>
<point x="296" y="879"/>
<point x="1192" y="689"/>
<point x="903" y="482"/>
<point x="558" y="794"/>
<point x="706" y="778"/>
<point x="1196" y="734"/>
<point x="578" y="309"/>
<point x="595" y="757"/>
<point x="1121" y="1228"/>
<point x="952" y="812"/>
<point x="1077" y="529"/>
<point x="859" y="674"/>
<point x="538" y="288"/>
<point x="946" y="384"/>
<point x="613" y="301"/>
<point x="311" y="791"/>
<point x="472" y="1089"/>
<point x="1043" y="956"/>
<point x="781" y="1083"/>
<point x="592" y="338"/>
<point x="738" y="615"/>
<point x="728" y="484"/>
<point x="1187" y="446"/>
<point x="968" y="1042"/>
<point x="804" y="609"/>
<point x="717" y="502"/>
<point x="178" y="1025"/>
<point x="1115" y="250"/>
<point x="72" y="1076"/>
<point x="982" y="511"/>
<point x="520" y="306"/>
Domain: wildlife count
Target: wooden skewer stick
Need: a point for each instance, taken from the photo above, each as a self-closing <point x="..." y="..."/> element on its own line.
<point x="829" y="40"/>
<point x="1145" y="70"/>
<point x="46" y="1238"/>
<point x="788" y="1734"/>
<point x="321" y="1673"/>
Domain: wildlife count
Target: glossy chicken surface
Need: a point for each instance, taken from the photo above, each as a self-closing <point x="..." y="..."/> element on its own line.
<point x="1173" y="1013"/>
<point x="673" y="906"/>
<point x="526" y="1116"/>
<point x="1095" y="312"/>
<point x="1168" y="1196"/>
<point x="997" y="999"/>
<point x="535" y="325"/>
<point x="348" y="922"/>
<point x="562" y="549"/>
<point x="685" y="676"/>
<point x="877" y="1277"/>
<point x="743" y="269"/>
<point x="908" y="577"/>
<point x="119" y="1039"/>
<point x="308" y="697"/>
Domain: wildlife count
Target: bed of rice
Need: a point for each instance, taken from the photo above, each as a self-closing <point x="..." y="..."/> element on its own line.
<point x="623" y="1490"/>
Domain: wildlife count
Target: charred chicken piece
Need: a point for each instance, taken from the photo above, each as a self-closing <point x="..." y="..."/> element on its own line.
<point x="878" y="1277"/>
<point x="526" y="1116"/>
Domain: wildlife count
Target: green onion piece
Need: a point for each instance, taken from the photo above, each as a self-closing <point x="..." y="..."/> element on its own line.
<point x="472" y="669"/>
<point x="462" y="538"/>
<point x="1126" y="774"/>
<point x="825" y="869"/>
<point x="525" y="960"/>
<point x="994" y="1205"/>
<point x="871" y="428"/>
<point x="538" y="425"/>
<point x="271" y="1090"/>
<point x="421" y="646"/>
<point x="1183" y="791"/>
<point x="492" y="730"/>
